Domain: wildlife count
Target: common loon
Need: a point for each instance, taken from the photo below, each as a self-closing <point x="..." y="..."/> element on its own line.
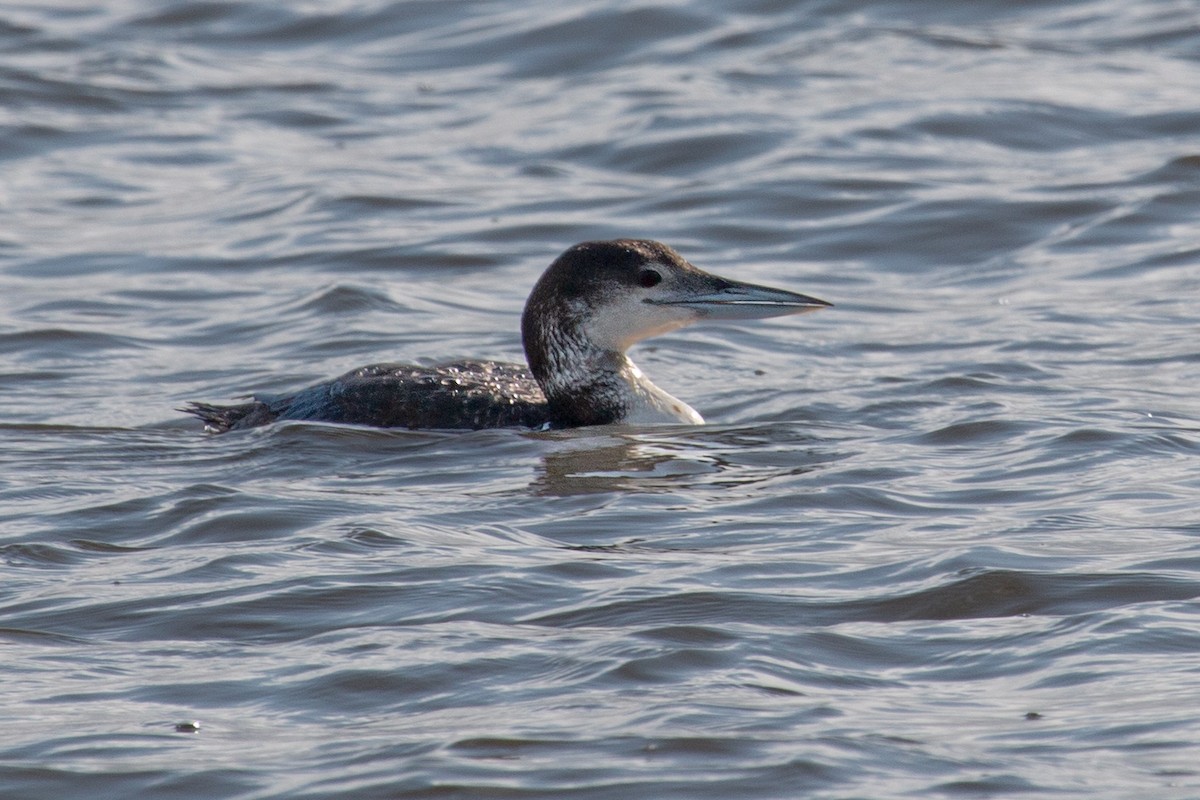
<point x="589" y="307"/>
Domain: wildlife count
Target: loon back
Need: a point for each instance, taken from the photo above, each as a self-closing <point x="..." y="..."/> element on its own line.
<point x="462" y="394"/>
<point x="589" y="307"/>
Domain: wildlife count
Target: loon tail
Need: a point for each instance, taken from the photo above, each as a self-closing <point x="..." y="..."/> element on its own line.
<point x="219" y="419"/>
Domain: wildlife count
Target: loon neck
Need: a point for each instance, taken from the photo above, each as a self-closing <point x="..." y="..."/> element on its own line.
<point x="588" y="385"/>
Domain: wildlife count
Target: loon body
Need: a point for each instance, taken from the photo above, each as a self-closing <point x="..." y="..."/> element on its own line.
<point x="589" y="307"/>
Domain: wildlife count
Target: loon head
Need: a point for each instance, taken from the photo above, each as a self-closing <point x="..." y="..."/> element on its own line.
<point x="599" y="298"/>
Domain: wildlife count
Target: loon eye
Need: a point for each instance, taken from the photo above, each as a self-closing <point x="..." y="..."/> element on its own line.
<point x="649" y="278"/>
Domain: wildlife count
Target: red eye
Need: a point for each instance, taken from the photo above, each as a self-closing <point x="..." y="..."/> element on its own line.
<point x="648" y="279"/>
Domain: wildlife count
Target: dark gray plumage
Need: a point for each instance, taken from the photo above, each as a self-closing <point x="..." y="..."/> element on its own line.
<point x="458" y="395"/>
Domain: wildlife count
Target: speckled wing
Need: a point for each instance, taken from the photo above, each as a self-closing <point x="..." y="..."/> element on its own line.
<point x="463" y="394"/>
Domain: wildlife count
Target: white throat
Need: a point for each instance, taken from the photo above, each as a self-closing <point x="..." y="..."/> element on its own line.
<point x="649" y="404"/>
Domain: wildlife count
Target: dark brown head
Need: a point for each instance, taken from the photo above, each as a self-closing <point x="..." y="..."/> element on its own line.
<point x="599" y="298"/>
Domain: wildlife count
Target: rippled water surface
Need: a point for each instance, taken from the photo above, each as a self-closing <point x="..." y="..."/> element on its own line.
<point x="941" y="540"/>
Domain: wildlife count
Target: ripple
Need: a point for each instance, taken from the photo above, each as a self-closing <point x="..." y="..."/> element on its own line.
<point x="927" y="544"/>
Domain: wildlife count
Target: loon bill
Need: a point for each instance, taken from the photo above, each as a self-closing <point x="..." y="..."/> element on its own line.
<point x="589" y="307"/>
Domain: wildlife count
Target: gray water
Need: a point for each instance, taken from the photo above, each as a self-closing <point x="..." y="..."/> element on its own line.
<point x="942" y="540"/>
